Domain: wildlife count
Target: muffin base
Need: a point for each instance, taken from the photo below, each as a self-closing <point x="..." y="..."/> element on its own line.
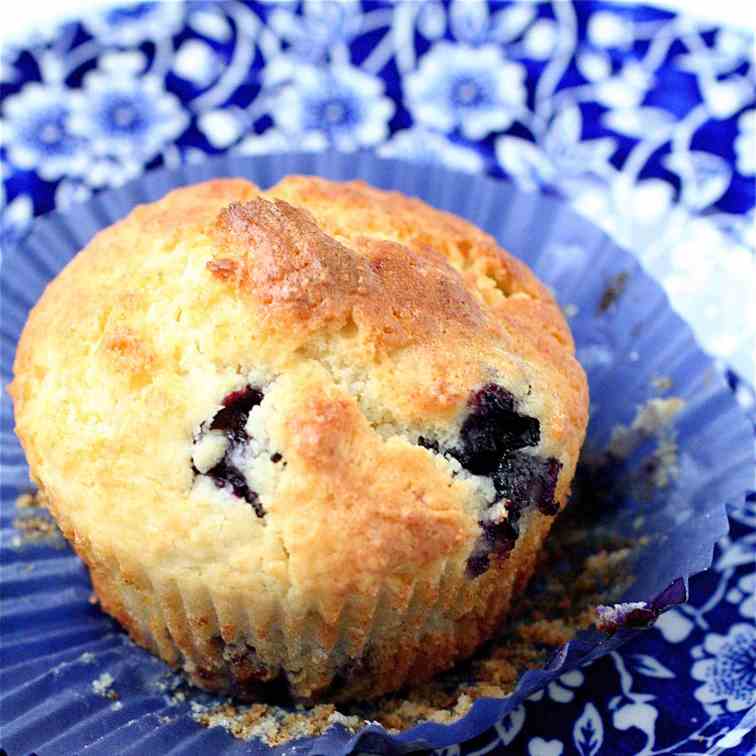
<point x="405" y="633"/>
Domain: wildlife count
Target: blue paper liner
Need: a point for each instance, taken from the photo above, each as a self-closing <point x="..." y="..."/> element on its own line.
<point x="55" y="643"/>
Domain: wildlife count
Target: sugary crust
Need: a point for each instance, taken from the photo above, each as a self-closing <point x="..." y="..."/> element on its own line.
<point x="369" y="319"/>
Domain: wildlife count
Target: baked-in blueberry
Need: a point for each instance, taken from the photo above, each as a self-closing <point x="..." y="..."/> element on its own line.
<point x="492" y="429"/>
<point x="479" y="561"/>
<point x="497" y="537"/>
<point x="231" y="420"/>
<point x="525" y="481"/>
<point x="491" y="438"/>
<point x="429" y="443"/>
<point x="226" y="475"/>
<point x="528" y="481"/>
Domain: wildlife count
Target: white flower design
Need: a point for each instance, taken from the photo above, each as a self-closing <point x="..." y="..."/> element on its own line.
<point x="15" y="218"/>
<point x="130" y="24"/>
<point x="745" y="143"/>
<point x="126" y="122"/>
<point x="8" y="57"/>
<point x="724" y="98"/>
<point x="743" y="595"/>
<point x="729" y="669"/>
<point x="323" y="24"/>
<point x="509" y="727"/>
<point x="561" y="689"/>
<point x="208" y="18"/>
<point x="474" y="89"/>
<point x="542" y="747"/>
<point x="607" y="29"/>
<point x="342" y="104"/>
<point x="674" y="626"/>
<point x="588" y="731"/>
<point x="33" y="39"/>
<point x="195" y="61"/>
<point x="430" y="17"/>
<point x="541" y="40"/>
<point x="223" y="126"/>
<point x="425" y="146"/>
<point x="36" y="133"/>
<point x="560" y="156"/>
<point x="731" y="48"/>
<point x="71" y="191"/>
<point x="323" y="28"/>
<point x="624" y="89"/>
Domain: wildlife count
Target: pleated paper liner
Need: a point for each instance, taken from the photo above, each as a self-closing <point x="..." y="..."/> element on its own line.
<point x="73" y="683"/>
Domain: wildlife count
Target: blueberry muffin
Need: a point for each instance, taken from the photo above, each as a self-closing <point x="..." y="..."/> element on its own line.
<point x="307" y="440"/>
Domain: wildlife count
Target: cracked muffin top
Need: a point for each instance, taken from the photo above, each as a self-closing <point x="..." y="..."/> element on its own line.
<point x="302" y="391"/>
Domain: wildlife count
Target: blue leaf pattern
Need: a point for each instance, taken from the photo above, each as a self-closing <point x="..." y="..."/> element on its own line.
<point x="588" y="732"/>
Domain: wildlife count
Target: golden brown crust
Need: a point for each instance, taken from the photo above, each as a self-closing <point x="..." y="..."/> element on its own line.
<point x="345" y="210"/>
<point x="277" y="254"/>
<point x="368" y="320"/>
<point x="192" y="208"/>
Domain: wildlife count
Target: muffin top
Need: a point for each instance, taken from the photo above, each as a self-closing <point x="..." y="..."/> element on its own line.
<point x="304" y="390"/>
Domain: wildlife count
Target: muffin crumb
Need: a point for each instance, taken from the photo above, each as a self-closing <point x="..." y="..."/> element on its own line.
<point x="102" y="687"/>
<point x="31" y="500"/>
<point x="26" y="500"/>
<point x="651" y="418"/>
<point x="614" y="290"/>
<point x="570" y="310"/>
<point x="33" y="521"/>
<point x="273" y="725"/>
<point x="662" y="383"/>
<point x="34" y="528"/>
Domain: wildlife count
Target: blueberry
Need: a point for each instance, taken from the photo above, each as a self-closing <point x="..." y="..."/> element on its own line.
<point x="492" y="429"/>
<point x="478" y="562"/>
<point x="232" y="420"/>
<point x="502" y="535"/>
<point x="525" y="481"/>
<point x="429" y="443"/>
<point x="497" y="537"/>
<point x="227" y="475"/>
<point x="491" y="439"/>
<point x="528" y="481"/>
